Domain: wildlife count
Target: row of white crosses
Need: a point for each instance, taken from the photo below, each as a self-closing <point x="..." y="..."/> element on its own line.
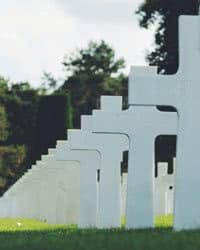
<point x="39" y="184"/>
<point x="43" y="192"/>
<point x="97" y="209"/>
<point x="91" y="151"/>
<point x="141" y="124"/>
<point x="110" y="131"/>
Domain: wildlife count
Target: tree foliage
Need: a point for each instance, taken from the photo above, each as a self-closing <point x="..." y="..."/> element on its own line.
<point x="165" y="13"/>
<point x="12" y="159"/>
<point x="4" y="125"/>
<point x="21" y="105"/>
<point x="90" y="73"/>
<point x="49" y="83"/>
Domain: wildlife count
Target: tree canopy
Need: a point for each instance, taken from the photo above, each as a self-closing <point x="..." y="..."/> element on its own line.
<point x="165" y="13"/>
<point x="91" y="72"/>
<point x="4" y="125"/>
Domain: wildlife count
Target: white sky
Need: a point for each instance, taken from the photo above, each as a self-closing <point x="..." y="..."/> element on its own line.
<point x="36" y="34"/>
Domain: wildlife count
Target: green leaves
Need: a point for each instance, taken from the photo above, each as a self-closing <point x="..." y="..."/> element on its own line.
<point x="90" y="73"/>
<point x="11" y="161"/>
<point x="4" y="125"/>
<point x="97" y="59"/>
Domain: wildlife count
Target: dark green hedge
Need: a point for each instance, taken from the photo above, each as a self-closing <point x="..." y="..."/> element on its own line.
<point x="51" y="123"/>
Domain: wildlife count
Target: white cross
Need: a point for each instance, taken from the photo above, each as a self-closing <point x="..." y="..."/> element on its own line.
<point x="142" y="125"/>
<point x="181" y="91"/>
<point x="110" y="148"/>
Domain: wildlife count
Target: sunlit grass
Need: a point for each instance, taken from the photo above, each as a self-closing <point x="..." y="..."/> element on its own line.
<point x="164" y="221"/>
<point x="7" y="225"/>
<point x="24" y="234"/>
<point x="160" y="221"/>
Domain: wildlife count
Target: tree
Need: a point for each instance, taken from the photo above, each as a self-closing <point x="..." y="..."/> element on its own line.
<point x="4" y="125"/>
<point x="11" y="164"/>
<point x="165" y="13"/>
<point x="3" y="86"/>
<point x="12" y="157"/>
<point x="49" y="83"/>
<point x="92" y="72"/>
<point x="21" y="105"/>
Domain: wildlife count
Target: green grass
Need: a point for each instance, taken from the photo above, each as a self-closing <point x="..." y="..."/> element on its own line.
<point x="32" y="235"/>
<point x="19" y="225"/>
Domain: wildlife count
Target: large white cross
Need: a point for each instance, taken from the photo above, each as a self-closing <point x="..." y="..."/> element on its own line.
<point x="110" y="148"/>
<point x="181" y="91"/>
<point x="142" y="125"/>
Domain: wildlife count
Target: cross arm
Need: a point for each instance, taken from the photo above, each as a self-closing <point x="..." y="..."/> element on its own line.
<point x="146" y="87"/>
<point x="79" y="139"/>
<point x="108" y="122"/>
<point x="111" y="103"/>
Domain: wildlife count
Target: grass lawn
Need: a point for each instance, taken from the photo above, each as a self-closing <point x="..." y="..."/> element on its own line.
<point x="29" y="234"/>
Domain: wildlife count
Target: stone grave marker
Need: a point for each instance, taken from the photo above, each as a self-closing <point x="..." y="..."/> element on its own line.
<point x="89" y="164"/>
<point x="110" y="148"/>
<point x="182" y="91"/>
<point x="142" y="125"/>
<point x="63" y="187"/>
